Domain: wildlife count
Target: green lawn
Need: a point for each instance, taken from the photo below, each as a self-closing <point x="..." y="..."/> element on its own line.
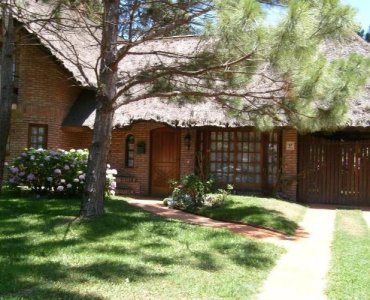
<point x="271" y="213"/>
<point x="126" y="254"/>
<point x="349" y="276"/>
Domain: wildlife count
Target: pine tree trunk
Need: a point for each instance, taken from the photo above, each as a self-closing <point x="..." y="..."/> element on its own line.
<point x="7" y="84"/>
<point x="93" y="199"/>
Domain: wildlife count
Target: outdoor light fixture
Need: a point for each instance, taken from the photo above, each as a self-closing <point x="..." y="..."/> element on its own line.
<point x="187" y="140"/>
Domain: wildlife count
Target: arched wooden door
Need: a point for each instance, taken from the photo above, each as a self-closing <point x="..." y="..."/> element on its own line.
<point x="165" y="159"/>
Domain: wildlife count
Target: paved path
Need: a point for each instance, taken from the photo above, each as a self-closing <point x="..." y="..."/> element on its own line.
<point x="156" y="207"/>
<point x="366" y="214"/>
<point x="300" y="274"/>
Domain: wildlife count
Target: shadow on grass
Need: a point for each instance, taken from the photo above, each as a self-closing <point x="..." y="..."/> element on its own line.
<point x="36" y="236"/>
<point x="253" y="215"/>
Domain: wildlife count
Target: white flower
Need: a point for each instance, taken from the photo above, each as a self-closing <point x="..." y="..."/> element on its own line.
<point x="69" y="186"/>
<point x="6" y="164"/>
<point x="66" y="167"/>
<point x="50" y="179"/>
<point x="108" y="166"/>
<point x="57" y="171"/>
<point x="72" y="150"/>
<point x="62" y="181"/>
<point x="32" y="157"/>
<point x="79" y="172"/>
<point x="60" y="188"/>
<point x="112" y="171"/>
<point x="82" y="177"/>
<point x="47" y="158"/>
<point x="76" y="180"/>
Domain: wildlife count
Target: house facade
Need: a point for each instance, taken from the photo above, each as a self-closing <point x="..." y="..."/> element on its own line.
<point x="155" y="141"/>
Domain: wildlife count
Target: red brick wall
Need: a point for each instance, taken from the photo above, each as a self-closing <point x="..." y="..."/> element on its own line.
<point x="45" y="96"/>
<point x="289" y="163"/>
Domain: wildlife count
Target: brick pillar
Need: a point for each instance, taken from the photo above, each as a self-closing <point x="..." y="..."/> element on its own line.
<point x="187" y="156"/>
<point x="289" y="163"/>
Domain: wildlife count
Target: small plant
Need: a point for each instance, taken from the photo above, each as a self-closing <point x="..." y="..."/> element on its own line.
<point x="219" y="198"/>
<point x="191" y="193"/>
<point x="54" y="172"/>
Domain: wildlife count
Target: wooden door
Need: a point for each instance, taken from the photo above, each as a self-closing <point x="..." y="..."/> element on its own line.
<point x="165" y="159"/>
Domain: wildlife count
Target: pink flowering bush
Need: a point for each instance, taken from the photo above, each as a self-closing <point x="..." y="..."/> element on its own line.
<point x="54" y="172"/>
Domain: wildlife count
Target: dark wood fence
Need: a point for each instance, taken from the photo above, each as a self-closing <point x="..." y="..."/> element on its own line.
<point x="334" y="172"/>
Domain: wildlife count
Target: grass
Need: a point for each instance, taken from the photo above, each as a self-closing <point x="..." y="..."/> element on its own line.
<point x="128" y="253"/>
<point x="270" y="213"/>
<point x="349" y="275"/>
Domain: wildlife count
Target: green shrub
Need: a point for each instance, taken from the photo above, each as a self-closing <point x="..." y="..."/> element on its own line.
<point x="54" y="172"/>
<point x="191" y="193"/>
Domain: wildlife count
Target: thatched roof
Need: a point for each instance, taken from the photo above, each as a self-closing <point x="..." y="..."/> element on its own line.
<point x="80" y="47"/>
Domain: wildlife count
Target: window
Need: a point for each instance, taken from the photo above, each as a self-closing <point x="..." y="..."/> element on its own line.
<point x="130" y="150"/>
<point x="245" y="158"/>
<point x="235" y="157"/>
<point x="37" y="136"/>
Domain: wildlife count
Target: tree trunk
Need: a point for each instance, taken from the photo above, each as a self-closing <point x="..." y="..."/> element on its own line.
<point x="93" y="199"/>
<point x="7" y="82"/>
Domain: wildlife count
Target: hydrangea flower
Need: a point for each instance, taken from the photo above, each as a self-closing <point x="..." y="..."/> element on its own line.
<point x="57" y="171"/>
<point x="14" y="170"/>
<point x="69" y="186"/>
<point x="60" y="188"/>
<point x="66" y="167"/>
<point x="76" y="180"/>
<point x="62" y="181"/>
<point x="82" y="177"/>
<point x="50" y="179"/>
<point x="31" y="177"/>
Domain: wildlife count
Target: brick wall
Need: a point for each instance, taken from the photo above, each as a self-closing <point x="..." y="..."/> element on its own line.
<point x="289" y="163"/>
<point x="46" y="93"/>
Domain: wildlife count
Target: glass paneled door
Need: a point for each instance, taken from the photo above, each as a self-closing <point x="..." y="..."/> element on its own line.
<point x="245" y="158"/>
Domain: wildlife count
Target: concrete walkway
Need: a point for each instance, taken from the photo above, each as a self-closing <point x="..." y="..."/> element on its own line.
<point x="156" y="207"/>
<point x="366" y="214"/>
<point x="301" y="272"/>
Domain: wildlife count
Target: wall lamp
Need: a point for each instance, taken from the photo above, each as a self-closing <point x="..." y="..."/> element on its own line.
<point x="187" y="140"/>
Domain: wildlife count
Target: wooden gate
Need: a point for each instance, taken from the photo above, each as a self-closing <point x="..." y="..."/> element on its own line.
<point x="334" y="172"/>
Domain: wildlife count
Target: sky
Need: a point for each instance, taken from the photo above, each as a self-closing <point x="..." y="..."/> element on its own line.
<point x="363" y="11"/>
<point x="361" y="6"/>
